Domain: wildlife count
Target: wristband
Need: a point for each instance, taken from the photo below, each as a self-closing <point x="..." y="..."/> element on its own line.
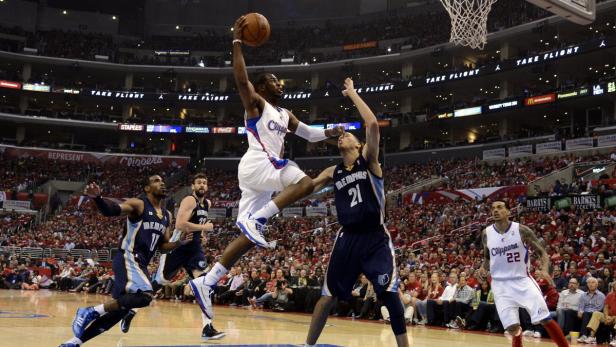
<point x="237" y="40"/>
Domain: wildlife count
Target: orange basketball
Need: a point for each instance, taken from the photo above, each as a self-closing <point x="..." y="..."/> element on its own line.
<point x="257" y="30"/>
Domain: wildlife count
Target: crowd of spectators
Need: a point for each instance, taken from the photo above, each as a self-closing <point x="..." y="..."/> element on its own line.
<point x="410" y="28"/>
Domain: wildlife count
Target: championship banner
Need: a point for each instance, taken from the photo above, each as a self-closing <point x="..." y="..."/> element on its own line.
<point x="520" y="151"/>
<point x="606" y="140"/>
<point x="217" y="213"/>
<point x="494" y="153"/>
<point x="584" y="142"/>
<point x="293" y="212"/>
<point x="16" y="205"/>
<point x="548" y="147"/>
<point x="129" y="160"/>
<point x="312" y="211"/>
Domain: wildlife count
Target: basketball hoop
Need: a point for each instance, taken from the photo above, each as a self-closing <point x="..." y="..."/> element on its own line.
<point x="469" y="19"/>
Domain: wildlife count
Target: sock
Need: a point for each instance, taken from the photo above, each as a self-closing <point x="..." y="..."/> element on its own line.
<point x="75" y="341"/>
<point x="215" y="275"/>
<point x="100" y="309"/>
<point x="307" y="345"/>
<point x="206" y="321"/>
<point x="556" y="334"/>
<point x="267" y="211"/>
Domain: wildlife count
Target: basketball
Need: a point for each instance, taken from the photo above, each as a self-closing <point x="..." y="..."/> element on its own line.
<point x="257" y="30"/>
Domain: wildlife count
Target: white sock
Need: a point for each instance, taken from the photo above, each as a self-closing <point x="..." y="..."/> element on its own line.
<point x="307" y="345"/>
<point x="267" y="211"/>
<point x="206" y="321"/>
<point x="75" y="341"/>
<point x="100" y="309"/>
<point x="215" y="275"/>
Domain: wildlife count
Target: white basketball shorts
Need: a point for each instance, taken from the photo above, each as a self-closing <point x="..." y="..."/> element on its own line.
<point x="513" y="294"/>
<point x="260" y="176"/>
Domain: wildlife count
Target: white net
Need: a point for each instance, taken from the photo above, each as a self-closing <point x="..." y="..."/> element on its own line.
<point x="469" y="20"/>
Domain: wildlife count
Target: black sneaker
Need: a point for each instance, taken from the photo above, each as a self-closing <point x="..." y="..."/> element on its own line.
<point x="210" y="333"/>
<point x="125" y="324"/>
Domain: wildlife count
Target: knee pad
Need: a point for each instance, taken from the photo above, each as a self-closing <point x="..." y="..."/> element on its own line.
<point x="396" y="311"/>
<point x="134" y="300"/>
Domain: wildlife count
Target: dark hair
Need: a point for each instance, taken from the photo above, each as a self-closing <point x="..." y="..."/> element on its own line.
<point x="198" y="176"/>
<point x="146" y="180"/>
<point x="261" y="79"/>
<point x="503" y="201"/>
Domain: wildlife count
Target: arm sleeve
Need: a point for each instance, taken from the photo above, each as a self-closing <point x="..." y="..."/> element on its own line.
<point x="310" y="134"/>
<point x="107" y="208"/>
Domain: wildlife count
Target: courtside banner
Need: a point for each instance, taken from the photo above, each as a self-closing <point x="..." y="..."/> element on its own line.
<point x="130" y="160"/>
<point x="548" y="147"/>
<point x="217" y="212"/>
<point x="312" y="211"/>
<point x="606" y="140"/>
<point x="584" y="142"/>
<point x="519" y="151"/>
<point x="293" y="212"/>
<point x="494" y="153"/>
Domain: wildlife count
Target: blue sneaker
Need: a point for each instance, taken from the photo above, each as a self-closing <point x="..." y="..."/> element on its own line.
<point x="83" y="318"/>
<point x="69" y="345"/>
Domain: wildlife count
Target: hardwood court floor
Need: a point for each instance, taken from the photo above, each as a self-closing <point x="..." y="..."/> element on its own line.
<point x="44" y="318"/>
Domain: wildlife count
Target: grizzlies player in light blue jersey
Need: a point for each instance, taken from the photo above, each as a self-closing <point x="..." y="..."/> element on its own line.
<point x="363" y="244"/>
<point x="147" y="230"/>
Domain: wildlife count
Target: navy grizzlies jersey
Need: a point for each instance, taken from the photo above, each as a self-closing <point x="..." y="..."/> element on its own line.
<point x="360" y="197"/>
<point x="199" y="216"/>
<point x="144" y="235"/>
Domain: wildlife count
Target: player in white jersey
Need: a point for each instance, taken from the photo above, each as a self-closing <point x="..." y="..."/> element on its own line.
<point x="262" y="170"/>
<point x="506" y="255"/>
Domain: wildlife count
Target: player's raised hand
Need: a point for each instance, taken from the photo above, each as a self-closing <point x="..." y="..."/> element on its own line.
<point x="348" y="87"/>
<point x="92" y="190"/>
<point x="238" y="28"/>
<point x="335" y="131"/>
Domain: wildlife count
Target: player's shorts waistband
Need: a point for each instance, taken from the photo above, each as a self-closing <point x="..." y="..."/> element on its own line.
<point x="362" y="228"/>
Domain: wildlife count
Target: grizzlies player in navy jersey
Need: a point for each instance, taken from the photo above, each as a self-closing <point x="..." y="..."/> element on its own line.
<point x="147" y="230"/>
<point x="363" y="244"/>
<point x="192" y="217"/>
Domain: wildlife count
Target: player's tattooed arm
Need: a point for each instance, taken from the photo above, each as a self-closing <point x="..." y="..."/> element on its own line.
<point x="324" y="178"/>
<point x="485" y="266"/>
<point x="530" y="239"/>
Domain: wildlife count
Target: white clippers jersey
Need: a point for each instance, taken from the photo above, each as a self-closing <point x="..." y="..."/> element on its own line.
<point x="508" y="255"/>
<point x="266" y="133"/>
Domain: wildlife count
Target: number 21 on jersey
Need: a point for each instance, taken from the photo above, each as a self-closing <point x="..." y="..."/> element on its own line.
<point x="355" y="193"/>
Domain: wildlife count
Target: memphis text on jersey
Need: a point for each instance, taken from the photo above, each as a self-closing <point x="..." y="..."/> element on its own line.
<point x="355" y="176"/>
<point x="153" y="226"/>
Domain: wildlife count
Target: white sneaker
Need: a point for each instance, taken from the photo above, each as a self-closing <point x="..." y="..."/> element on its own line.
<point x="253" y="229"/>
<point x="203" y="295"/>
<point x="537" y="335"/>
<point x="613" y="343"/>
<point x="591" y="340"/>
<point x="582" y="339"/>
<point x="528" y="333"/>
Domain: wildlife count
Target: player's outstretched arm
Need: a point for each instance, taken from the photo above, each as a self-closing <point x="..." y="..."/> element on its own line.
<point x="131" y="207"/>
<point x="324" y="178"/>
<point x="530" y="239"/>
<point x="373" y="133"/>
<point x="182" y="223"/>
<point x="300" y="129"/>
<point x="252" y="102"/>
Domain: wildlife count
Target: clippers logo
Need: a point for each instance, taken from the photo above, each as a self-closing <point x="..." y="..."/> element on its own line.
<point x="273" y="126"/>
